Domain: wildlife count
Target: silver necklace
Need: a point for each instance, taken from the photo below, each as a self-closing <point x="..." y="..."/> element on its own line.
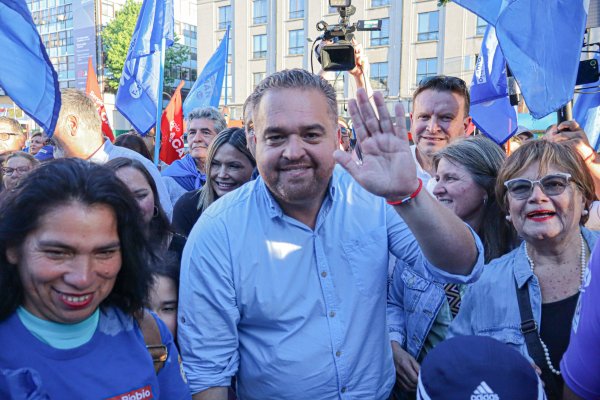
<point x="583" y="268"/>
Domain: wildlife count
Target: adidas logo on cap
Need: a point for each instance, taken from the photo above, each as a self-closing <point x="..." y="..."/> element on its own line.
<point x="484" y="392"/>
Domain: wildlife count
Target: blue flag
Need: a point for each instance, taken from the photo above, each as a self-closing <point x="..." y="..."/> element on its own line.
<point x="138" y="98"/>
<point x="490" y="105"/>
<point x="207" y="88"/>
<point x="26" y="73"/>
<point x="541" y="41"/>
<point x="586" y="111"/>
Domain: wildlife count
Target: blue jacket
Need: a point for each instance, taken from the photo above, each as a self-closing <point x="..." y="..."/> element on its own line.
<point x="489" y="307"/>
<point x="415" y="297"/>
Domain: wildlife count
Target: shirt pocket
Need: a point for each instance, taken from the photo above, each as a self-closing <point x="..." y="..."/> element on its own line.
<point x="368" y="259"/>
<point x="414" y="288"/>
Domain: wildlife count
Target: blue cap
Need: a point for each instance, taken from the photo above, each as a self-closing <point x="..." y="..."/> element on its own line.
<point x="477" y="368"/>
<point x="46" y="153"/>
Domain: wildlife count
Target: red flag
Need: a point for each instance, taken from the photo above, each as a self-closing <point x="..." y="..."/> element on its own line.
<point x="93" y="90"/>
<point x="171" y="128"/>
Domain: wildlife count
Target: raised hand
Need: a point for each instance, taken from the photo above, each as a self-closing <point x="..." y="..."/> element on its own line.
<point x="571" y="134"/>
<point x="387" y="169"/>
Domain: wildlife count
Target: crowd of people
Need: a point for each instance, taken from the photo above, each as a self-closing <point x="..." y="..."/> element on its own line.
<point x="304" y="256"/>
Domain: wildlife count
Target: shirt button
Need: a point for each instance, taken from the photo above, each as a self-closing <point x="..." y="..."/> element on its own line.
<point x="332" y="314"/>
<point x="338" y="353"/>
<point x="323" y="274"/>
<point x="344" y="389"/>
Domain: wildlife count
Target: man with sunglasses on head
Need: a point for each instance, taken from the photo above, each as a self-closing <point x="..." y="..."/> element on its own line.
<point x="440" y="115"/>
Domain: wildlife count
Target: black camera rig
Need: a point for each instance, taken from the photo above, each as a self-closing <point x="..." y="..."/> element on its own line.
<point x="338" y="53"/>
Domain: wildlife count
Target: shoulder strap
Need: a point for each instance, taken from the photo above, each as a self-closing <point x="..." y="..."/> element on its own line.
<point x="158" y="351"/>
<point x="530" y="331"/>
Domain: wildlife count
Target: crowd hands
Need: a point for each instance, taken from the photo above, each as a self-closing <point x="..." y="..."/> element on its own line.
<point x="339" y="260"/>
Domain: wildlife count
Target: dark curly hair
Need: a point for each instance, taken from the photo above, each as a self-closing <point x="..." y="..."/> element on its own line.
<point x="65" y="181"/>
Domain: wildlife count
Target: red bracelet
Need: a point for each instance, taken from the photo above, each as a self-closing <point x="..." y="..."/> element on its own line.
<point x="409" y="198"/>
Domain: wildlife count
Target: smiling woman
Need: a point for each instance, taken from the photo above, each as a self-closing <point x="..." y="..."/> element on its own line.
<point x="229" y="165"/>
<point x="74" y="273"/>
<point x="545" y="190"/>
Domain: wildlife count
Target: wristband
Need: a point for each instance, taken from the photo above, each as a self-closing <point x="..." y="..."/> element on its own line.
<point x="409" y="198"/>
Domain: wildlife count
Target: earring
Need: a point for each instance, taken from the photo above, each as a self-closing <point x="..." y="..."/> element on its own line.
<point x="584" y="212"/>
<point x="508" y="218"/>
<point x="155" y="214"/>
<point x="485" y="199"/>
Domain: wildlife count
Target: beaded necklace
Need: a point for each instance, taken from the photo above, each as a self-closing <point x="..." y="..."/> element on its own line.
<point x="583" y="268"/>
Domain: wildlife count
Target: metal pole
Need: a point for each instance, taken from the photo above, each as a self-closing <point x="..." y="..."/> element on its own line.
<point x="565" y="113"/>
<point x="226" y="60"/>
<point x="157" y="140"/>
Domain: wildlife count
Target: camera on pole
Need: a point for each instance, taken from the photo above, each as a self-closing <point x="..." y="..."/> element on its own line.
<point x="339" y="54"/>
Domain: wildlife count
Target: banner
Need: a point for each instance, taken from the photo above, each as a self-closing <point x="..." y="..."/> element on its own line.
<point x="541" y="41"/>
<point x="172" y="146"/>
<point x="490" y="104"/>
<point x="207" y="88"/>
<point x="93" y="90"/>
<point x="137" y="97"/>
<point x="26" y="73"/>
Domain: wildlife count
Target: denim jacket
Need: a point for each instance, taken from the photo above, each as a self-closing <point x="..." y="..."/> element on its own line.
<point x="489" y="307"/>
<point x="415" y="297"/>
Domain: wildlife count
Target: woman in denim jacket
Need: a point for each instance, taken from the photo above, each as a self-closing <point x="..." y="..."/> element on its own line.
<point x="546" y="190"/>
<point x="418" y="310"/>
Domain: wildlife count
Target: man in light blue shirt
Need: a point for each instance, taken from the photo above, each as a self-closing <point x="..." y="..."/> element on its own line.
<point x="283" y="281"/>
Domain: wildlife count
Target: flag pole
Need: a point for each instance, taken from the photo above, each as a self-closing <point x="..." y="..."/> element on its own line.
<point x="226" y="60"/>
<point x="157" y="139"/>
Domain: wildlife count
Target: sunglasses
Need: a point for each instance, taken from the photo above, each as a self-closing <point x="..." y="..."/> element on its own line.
<point x="551" y="185"/>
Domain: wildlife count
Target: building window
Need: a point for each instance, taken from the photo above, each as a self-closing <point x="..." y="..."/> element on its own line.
<point x="428" y="26"/>
<point x="224" y="17"/>
<point x="379" y="75"/>
<point x="227" y="87"/>
<point x="256" y="78"/>
<point x="380" y="3"/>
<point x="108" y="10"/>
<point x="426" y="67"/>
<point x="382" y="37"/>
<point x="296" y="9"/>
<point x="259" y="12"/>
<point x="260" y="46"/>
<point x="296" y="45"/>
<point x="481" y="26"/>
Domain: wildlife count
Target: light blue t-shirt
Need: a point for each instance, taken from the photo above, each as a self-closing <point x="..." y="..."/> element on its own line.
<point x="60" y="336"/>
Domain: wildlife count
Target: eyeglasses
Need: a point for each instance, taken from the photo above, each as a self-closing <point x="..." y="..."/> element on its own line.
<point x="7" y="135"/>
<point x="551" y="185"/>
<point x="10" y="171"/>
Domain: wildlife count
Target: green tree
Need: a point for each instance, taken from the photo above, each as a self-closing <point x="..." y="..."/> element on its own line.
<point x="116" y="37"/>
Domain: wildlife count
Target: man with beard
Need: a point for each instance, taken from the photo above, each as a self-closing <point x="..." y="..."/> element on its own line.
<point x="440" y="115"/>
<point x="283" y="282"/>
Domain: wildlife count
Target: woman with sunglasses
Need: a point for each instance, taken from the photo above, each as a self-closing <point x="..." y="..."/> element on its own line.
<point x="527" y="298"/>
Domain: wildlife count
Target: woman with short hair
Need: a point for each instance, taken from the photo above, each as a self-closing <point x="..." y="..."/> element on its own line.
<point x="545" y="190"/>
